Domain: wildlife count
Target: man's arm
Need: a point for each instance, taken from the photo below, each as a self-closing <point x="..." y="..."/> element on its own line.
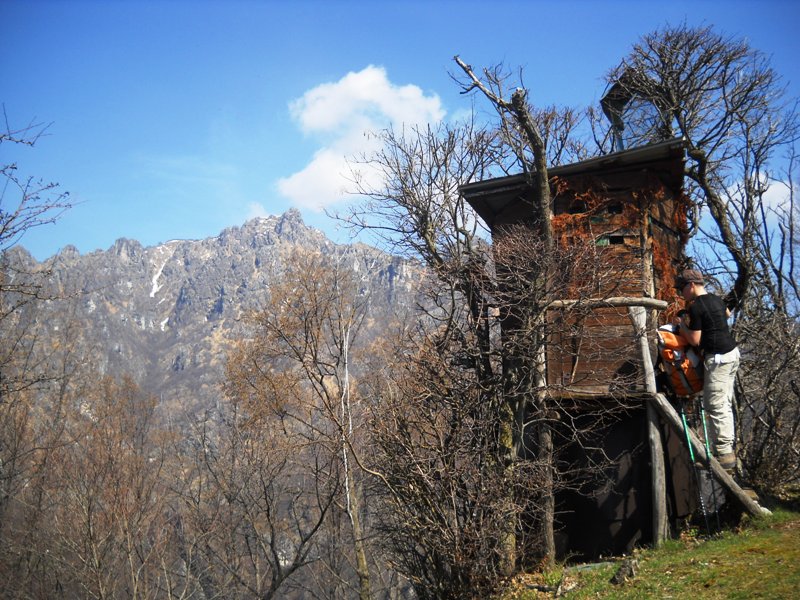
<point x="692" y="336"/>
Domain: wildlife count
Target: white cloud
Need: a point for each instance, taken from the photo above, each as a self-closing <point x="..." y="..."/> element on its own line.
<point x="340" y="114"/>
<point x="777" y="195"/>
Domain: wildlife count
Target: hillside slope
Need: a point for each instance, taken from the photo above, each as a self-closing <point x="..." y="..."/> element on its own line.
<point x="759" y="560"/>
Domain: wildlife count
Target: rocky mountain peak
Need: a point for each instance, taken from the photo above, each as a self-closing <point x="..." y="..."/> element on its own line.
<point x="290" y="223"/>
<point x="127" y="249"/>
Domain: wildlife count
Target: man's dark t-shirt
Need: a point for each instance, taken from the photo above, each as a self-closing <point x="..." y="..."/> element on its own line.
<point x="708" y="314"/>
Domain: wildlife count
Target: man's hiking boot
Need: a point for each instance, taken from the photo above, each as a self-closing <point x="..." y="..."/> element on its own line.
<point x="728" y="462"/>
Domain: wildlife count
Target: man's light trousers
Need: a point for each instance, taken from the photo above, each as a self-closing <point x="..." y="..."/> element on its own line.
<point x="720" y="374"/>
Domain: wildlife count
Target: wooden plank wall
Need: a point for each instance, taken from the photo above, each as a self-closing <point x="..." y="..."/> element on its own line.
<point x="633" y="222"/>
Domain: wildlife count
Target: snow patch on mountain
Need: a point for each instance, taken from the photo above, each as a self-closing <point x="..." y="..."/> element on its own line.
<point x="165" y="249"/>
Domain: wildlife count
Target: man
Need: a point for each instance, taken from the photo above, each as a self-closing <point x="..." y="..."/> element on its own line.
<point x="706" y="325"/>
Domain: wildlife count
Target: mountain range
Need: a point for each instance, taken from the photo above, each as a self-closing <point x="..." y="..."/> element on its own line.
<point x="167" y="314"/>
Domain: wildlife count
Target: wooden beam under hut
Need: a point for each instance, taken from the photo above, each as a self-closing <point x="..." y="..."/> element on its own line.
<point x="665" y="409"/>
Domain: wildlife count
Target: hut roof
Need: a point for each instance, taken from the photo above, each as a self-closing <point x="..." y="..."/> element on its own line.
<point x="493" y="198"/>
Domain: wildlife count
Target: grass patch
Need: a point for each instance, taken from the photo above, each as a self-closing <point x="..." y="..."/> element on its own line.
<point x="759" y="560"/>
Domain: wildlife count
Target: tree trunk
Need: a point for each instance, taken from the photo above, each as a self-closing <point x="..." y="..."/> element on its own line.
<point x="548" y="496"/>
<point x="508" y="440"/>
<point x="546" y="449"/>
<point x="541" y="181"/>
<point x="638" y="315"/>
<point x="543" y="212"/>
<point x="362" y="567"/>
<point x="353" y="501"/>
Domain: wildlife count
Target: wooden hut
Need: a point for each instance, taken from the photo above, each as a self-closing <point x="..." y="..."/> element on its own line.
<point x="631" y="205"/>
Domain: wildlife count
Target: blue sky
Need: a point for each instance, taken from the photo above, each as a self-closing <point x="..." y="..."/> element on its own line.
<point x="176" y="118"/>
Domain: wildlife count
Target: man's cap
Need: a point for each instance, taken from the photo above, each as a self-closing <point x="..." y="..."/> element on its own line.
<point x="688" y="276"/>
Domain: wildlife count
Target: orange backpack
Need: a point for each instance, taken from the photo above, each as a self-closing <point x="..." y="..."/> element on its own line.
<point x="681" y="362"/>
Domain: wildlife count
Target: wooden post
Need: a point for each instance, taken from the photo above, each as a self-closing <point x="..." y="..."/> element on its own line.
<point x="638" y="315"/>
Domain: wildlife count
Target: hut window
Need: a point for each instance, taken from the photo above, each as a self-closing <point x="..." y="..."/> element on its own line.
<point x="612" y="240"/>
<point x="577" y="207"/>
<point x="614" y="209"/>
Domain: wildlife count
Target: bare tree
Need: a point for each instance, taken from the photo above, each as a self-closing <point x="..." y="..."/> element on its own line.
<point x="248" y="519"/>
<point x="451" y="479"/>
<point x="447" y="497"/>
<point x="298" y="370"/>
<point x="529" y="145"/>
<point x="522" y="128"/>
<point x="107" y="520"/>
<point x="34" y="426"/>
<point x="25" y="201"/>
<point x="417" y="210"/>
<point x="729" y="105"/>
<point x="89" y="519"/>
